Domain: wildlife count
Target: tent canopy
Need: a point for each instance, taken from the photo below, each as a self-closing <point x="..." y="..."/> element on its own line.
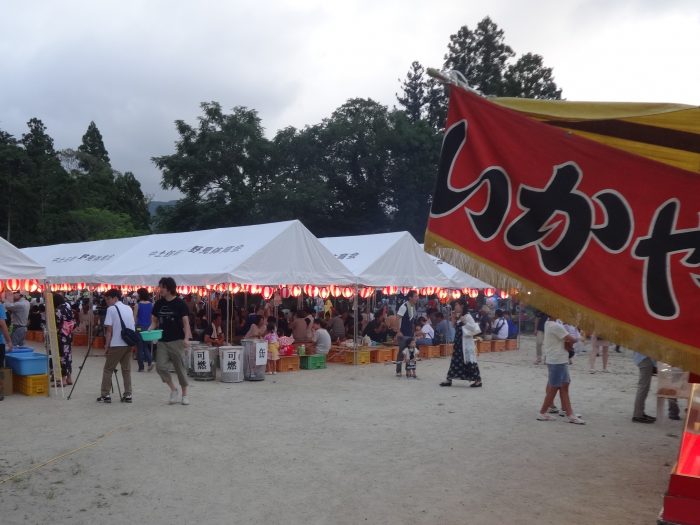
<point x="458" y="278"/>
<point x="16" y="265"/>
<point x="264" y="254"/>
<point x="386" y="259"/>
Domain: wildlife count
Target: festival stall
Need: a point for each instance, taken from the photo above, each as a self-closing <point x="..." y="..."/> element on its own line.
<point x="20" y="272"/>
<point x="584" y="207"/>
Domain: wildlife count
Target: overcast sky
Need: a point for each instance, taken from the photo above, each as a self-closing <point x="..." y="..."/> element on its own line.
<point x="135" y="66"/>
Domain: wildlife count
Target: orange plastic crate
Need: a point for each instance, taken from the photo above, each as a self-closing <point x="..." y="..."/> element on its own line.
<point x="80" y="339"/>
<point x="483" y="347"/>
<point x="98" y="342"/>
<point x="498" y="345"/>
<point x="511" y="344"/>
<point x="288" y="363"/>
<point x="35" y="335"/>
<point x="37" y="385"/>
<point x="336" y="355"/>
<point x="430" y="352"/>
<point x="381" y="355"/>
<point x="446" y="350"/>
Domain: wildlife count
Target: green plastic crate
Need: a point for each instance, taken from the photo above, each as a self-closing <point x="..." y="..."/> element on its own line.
<point x="313" y="362"/>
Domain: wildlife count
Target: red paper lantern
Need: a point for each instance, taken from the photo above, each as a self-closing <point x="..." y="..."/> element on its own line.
<point x="473" y="293"/>
<point x="2" y="286"/>
<point x="267" y="292"/>
<point x="366" y="293"/>
<point x="13" y="284"/>
<point x="307" y="289"/>
<point x="503" y="294"/>
<point x="489" y="292"/>
<point x="324" y="293"/>
<point x="336" y="291"/>
<point x="456" y="294"/>
<point x="296" y="290"/>
<point x="442" y="294"/>
<point x="348" y="292"/>
<point x="285" y="292"/>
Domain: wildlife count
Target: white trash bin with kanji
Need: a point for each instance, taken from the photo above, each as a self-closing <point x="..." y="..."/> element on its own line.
<point x="204" y="363"/>
<point x="255" y="359"/>
<point x="231" y="363"/>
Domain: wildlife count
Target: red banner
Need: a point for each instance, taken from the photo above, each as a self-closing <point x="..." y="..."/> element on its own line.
<point x="603" y="238"/>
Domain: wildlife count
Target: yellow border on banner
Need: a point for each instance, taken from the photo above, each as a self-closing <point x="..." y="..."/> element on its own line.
<point x="634" y="337"/>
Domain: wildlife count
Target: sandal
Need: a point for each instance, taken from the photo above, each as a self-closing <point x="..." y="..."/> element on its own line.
<point x="446" y="383"/>
<point x="476" y="384"/>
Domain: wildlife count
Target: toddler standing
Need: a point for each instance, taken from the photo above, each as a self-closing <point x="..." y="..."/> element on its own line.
<point x="410" y="355"/>
<point x="273" y="348"/>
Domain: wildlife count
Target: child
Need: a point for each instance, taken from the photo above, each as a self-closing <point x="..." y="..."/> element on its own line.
<point x="273" y="347"/>
<point x="410" y="355"/>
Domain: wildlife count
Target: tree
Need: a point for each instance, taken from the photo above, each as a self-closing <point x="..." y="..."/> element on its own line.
<point x="93" y="146"/>
<point x="221" y="162"/>
<point x="480" y="55"/>
<point x="413" y="96"/>
<point x="89" y="224"/>
<point x="529" y="78"/>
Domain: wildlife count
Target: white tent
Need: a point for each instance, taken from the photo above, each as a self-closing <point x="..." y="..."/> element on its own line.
<point x="16" y="265"/>
<point x="458" y="278"/>
<point x="264" y="254"/>
<point x="386" y="259"/>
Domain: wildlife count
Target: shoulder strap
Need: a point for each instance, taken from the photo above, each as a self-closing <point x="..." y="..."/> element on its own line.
<point x="120" y="316"/>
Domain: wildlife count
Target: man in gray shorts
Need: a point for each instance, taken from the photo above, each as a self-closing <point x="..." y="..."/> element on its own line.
<point x="20" y="316"/>
<point x="170" y="313"/>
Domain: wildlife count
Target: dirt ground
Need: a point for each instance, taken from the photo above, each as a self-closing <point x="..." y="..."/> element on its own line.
<point x="341" y="445"/>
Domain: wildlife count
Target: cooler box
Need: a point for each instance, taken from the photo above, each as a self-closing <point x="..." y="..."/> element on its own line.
<point x="25" y="363"/>
<point x="231" y="360"/>
<point x="254" y="359"/>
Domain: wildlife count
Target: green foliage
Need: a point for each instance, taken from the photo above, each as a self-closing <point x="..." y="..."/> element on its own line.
<point x="53" y="197"/>
<point x="529" y="78"/>
<point x="93" y="146"/>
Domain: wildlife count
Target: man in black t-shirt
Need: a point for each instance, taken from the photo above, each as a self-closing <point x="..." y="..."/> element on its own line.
<point x="170" y="314"/>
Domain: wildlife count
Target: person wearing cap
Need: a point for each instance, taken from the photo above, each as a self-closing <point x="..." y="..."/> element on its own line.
<point x="20" y="317"/>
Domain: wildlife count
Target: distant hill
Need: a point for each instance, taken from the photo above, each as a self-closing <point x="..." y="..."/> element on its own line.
<point x="154" y="205"/>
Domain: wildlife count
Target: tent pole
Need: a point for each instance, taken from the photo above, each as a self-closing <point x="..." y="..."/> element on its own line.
<point x="52" y="334"/>
<point x="354" y="313"/>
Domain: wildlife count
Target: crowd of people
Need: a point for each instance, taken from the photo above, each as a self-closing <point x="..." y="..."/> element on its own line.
<point x="217" y="320"/>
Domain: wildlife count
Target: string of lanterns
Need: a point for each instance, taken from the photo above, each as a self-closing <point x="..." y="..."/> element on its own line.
<point x="267" y="292"/>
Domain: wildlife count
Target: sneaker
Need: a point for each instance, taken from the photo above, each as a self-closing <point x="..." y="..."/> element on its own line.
<point x="576" y="420"/>
<point x="173" y="397"/>
<point x="642" y="420"/>
<point x="104" y="399"/>
<point x="127" y="398"/>
<point x="545" y="417"/>
<point x="674" y="417"/>
<point x="592" y="371"/>
<point x="185" y="400"/>
<point x="140" y="370"/>
<point x="151" y="367"/>
<point x="553" y="410"/>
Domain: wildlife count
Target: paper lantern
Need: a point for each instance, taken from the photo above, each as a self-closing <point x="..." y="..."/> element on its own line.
<point x="456" y="294"/>
<point x="296" y="290"/>
<point x="365" y="293"/>
<point x="13" y="284"/>
<point x="324" y="293"/>
<point x="2" y="286"/>
<point x="267" y="292"/>
<point x="489" y="292"/>
<point x="348" y="292"/>
<point x="503" y="294"/>
<point x="473" y="293"/>
<point x="233" y="288"/>
<point x="308" y="289"/>
<point x="30" y="285"/>
<point x="442" y="295"/>
<point x="285" y="292"/>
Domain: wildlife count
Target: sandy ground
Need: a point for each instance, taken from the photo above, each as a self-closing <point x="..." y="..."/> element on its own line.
<point x="341" y="445"/>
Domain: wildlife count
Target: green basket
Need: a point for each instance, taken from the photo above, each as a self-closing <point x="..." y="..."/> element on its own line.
<point x="313" y="362"/>
<point x="151" y="335"/>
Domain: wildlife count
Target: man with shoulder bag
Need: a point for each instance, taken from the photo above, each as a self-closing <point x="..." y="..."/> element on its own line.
<point x="120" y="336"/>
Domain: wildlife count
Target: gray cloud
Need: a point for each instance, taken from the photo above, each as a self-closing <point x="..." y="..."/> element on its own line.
<point x="134" y="67"/>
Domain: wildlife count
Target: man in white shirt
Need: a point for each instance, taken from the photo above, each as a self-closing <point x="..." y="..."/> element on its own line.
<point x="20" y="317"/>
<point x="321" y="337"/>
<point x="499" y="328"/>
<point x="118" y="351"/>
<point x="557" y="359"/>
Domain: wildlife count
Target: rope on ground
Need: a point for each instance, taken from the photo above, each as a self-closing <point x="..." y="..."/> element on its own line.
<point x="64" y="455"/>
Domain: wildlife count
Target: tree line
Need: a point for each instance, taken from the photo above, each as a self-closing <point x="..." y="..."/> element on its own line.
<point x="366" y="168"/>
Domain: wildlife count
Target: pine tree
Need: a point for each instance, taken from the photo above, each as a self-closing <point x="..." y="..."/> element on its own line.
<point x="413" y="96"/>
<point x="94" y="147"/>
<point x="529" y="78"/>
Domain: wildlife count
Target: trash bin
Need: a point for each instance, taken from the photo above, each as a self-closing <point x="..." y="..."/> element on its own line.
<point x="255" y="359"/>
<point x="231" y="361"/>
<point x="204" y="363"/>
